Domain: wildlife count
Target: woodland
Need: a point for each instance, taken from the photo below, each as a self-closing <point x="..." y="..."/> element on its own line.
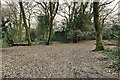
<point x="60" y="38"/>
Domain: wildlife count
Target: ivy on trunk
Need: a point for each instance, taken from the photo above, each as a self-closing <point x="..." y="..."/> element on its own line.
<point x="98" y="27"/>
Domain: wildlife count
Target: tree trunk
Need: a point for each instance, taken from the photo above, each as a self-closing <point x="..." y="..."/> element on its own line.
<point x="53" y="11"/>
<point x="0" y="13"/>
<point x="119" y="27"/>
<point x="50" y="31"/>
<point x="119" y="41"/>
<point x="20" y="27"/>
<point x="119" y="38"/>
<point x="25" y="23"/>
<point x="98" y="27"/>
<point x="99" y="44"/>
<point x="75" y="38"/>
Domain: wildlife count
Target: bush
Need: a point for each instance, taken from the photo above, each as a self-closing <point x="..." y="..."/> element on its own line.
<point x="59" y="36"/>
<point x="86" y="35"/>
<point x="115" y="56"/>
<point x="33" y="34"/>
<point x="64" y="36"/>
<point x="6" y="43"/>
<point x="109" y="34"/>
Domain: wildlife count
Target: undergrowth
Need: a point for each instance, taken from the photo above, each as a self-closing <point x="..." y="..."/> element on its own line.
<point x="114" y="54"/>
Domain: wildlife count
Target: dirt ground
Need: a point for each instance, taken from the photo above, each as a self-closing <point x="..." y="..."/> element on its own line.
<point x="56" y="61"/>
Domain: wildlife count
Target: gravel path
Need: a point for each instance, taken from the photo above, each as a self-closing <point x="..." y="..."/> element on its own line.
<point x="55" y="61"/>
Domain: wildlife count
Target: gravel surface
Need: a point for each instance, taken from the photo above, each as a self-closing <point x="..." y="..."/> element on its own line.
<point x="55" y="61"/>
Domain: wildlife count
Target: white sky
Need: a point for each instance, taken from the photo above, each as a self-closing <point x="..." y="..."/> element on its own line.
<point x="61" y="1"/>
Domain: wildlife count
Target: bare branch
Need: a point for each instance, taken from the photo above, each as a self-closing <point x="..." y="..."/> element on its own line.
<point x="106" y="3"/>
<point x="62" y="15"/>
<point x="111" y="11"/>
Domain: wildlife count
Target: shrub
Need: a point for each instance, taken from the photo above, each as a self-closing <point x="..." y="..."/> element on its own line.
<point x="33" y="34"/>
<point x="59" y="36"/>
<point x="110" y="34"/>
<point x="64" y="36"/>
<point x="115" y="56"/>
<point x="6" y="43"/>
<point x="87" y="36"/>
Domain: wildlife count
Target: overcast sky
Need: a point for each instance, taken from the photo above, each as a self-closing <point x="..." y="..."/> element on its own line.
<point x="61" y="1"/>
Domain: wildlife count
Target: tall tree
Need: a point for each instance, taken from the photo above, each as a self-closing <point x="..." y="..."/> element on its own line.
<point x="50" y="9"/>
<point x="14" y="12"/>
<point x="77" y="19"/>
<point x="20" y="26"/>
<point x="119" y="26"/>
<point x="8" y="25"/>
<point x="53" y="11"/>
<point x="98" y="27"/>
<point x="25" y="23"/>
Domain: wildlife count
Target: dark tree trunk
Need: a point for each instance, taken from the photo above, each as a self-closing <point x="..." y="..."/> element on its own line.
<point x="53" y="11"/>
<point x="119" y="38"/>
<point x="98" y="27"/>
<point x="20" y="27"/>
<point x="119" y="27"/>
<point x="25" y="23"/>
<point x="75" y="38"/>
<point x="50" y="31"/>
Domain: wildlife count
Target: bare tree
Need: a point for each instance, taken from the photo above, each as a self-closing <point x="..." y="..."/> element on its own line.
<point x="50" y="9"/>
<point x="14" y="11"/>
<point x="25" y="23"/>
<point x="53" y="11"/>
<point x="99" y="20"/>
<point x="20" y="26"/>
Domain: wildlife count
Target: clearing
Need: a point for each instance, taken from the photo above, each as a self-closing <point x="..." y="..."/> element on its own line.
<point x="56" y="61"/>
